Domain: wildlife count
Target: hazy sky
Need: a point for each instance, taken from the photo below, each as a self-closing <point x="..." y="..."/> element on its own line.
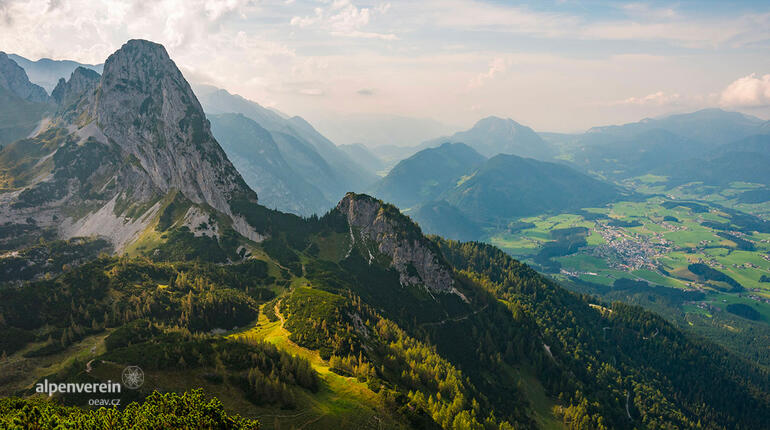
<point x="554" y="65"/>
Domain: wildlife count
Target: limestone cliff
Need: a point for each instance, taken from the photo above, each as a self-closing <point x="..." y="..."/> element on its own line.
<point x="117" y="145"/>
<point x="145" y="106"/>
<point x="394" y="235"/>
<point x="81" y="81"/>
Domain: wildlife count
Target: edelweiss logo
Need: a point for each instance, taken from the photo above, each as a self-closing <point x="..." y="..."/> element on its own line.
<point x="133" y="377"/>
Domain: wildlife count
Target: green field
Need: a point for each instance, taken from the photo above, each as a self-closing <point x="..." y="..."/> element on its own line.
<point x="677" y="234"/>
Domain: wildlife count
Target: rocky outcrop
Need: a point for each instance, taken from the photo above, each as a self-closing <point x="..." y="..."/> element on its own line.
<point x="119" y="143"/>
<point x="81" y="81"/>
<point x="14" y="79"/>
<point x="394" y="235"/>
<point x="145" y="106"/>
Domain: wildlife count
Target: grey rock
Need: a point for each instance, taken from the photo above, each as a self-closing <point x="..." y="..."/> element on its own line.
<point x="147" y="108"/>
<point x="119" y="144"/>
<point x="375" y="225"/>
<point x="81" y="81"/>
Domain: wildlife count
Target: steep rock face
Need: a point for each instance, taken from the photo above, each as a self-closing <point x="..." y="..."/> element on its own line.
<point x="394" y="235"/>
<point x="145" y="106"/>
<point x="118" y="145"/>
<point x="81" y="81"/>
<point x="14" y="78"/>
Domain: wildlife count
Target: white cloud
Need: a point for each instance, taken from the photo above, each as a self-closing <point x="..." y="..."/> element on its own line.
<point x="659" y="98"/>
<point x="439" y="57"/>
<point x="343" y="18"/>
<point x="496" y="66"/>
<point x="641" y="23"/>
<point x="748" y="91"/>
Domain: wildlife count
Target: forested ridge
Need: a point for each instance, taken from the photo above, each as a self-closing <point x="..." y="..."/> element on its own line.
<point x="606" y="354"/>
<point x="427" y="360"/>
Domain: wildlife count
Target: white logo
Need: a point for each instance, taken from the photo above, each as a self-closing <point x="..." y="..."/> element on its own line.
<point x="133" y="377"/>
<point x="80" y="387"/>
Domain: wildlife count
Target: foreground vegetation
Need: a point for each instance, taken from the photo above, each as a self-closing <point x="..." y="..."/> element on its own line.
<point x="170" y="411"/>
<point x="315" y="330"/>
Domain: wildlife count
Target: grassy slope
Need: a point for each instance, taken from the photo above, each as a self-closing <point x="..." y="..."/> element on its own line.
<point x="342" y="402"/>
<point x="19" y="372"/>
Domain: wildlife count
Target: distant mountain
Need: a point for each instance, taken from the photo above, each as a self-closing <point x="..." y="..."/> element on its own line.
<point x="441" y="218"/>
<point x="746" y="160"/>
<point x="363" y="156"/>
<point x="424" y="176"/>
<point x="759" y="143"/>
<point x="255" y="154"/>
<point x="46" y="72"/>
<point x="392" y="154"/>
<point x="14" y="79"/>
<point x="507" y="186"/>
<point x="312" y="156"/>
<point x="709" y="126"/>
<point x="453" y="190"/>
<point x="375" y="130"/>
<point x="492" y="135"/>
<point x="22" y="103"/>
<point x="629" y="156"/>
<point x="216" y="101"/>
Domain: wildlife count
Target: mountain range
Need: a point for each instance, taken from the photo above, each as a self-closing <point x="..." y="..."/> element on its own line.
<point x="46" y="72"/>
<point x="492" y="135"/>
<point x="660" y="146"/>
<point x="110" y="164"/>
<point x="455" y="191"/>
<point x="313" y="158"/>
<point x="149" y="249"/>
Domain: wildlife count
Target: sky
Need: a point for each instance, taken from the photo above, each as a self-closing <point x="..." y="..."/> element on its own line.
<point x="562" y="66"/>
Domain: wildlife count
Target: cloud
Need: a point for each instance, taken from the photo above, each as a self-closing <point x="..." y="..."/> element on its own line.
<point x="748" y="91"/>
<point x="659" y="98"/>
<point x="639" y="22"/>
<point x="343" y="18"/>
<point x="365" y="92"/>
<point x="496" y="66"/>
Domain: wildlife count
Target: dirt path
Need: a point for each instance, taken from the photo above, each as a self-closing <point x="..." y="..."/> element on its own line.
<point x="277" y="310"/>
<point x="454" y="319"/>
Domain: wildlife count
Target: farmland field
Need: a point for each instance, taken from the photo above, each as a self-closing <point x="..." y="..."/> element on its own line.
<point x="658" y="241"/>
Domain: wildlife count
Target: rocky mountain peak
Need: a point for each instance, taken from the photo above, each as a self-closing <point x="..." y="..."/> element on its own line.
<point x="384" y="228"/>
<point x="14" y="79"/>
<point x="119" y="144"/>
<point x="81" y="81"/>
<point x="145" y="106"/>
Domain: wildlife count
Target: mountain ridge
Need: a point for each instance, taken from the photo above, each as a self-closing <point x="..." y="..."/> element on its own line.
<point x="46" y="72"/>
<point x="14" y="79"/>
<point x="494" y="135"/>
<point x="120" y="162"/>
<point x="354" y="319"/>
